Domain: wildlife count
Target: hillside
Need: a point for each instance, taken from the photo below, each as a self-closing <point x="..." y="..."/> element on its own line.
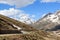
<point x="8" y="23"/>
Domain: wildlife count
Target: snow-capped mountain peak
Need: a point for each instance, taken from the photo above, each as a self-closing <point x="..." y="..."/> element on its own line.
<point x="55" y="17"/>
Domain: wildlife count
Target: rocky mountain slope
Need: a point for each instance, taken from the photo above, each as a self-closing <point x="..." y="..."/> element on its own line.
<point x="50" y="21"/>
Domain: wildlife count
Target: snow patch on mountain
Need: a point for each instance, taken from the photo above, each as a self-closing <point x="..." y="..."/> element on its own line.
<point x="53" y="17"/>
<point x="17" y="27"/>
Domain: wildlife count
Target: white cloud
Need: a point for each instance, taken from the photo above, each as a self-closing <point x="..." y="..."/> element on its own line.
<point x="46" y="1"/>
<point x="18" y="15"/>
<point x="18" y="3"/>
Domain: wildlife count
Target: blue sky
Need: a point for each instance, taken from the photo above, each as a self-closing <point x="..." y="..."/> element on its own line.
<point x="37" y="8"/>
<point x="41" y="8"/>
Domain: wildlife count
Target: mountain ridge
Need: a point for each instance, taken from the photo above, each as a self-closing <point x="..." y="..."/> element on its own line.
<point x="49" y="21"/>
